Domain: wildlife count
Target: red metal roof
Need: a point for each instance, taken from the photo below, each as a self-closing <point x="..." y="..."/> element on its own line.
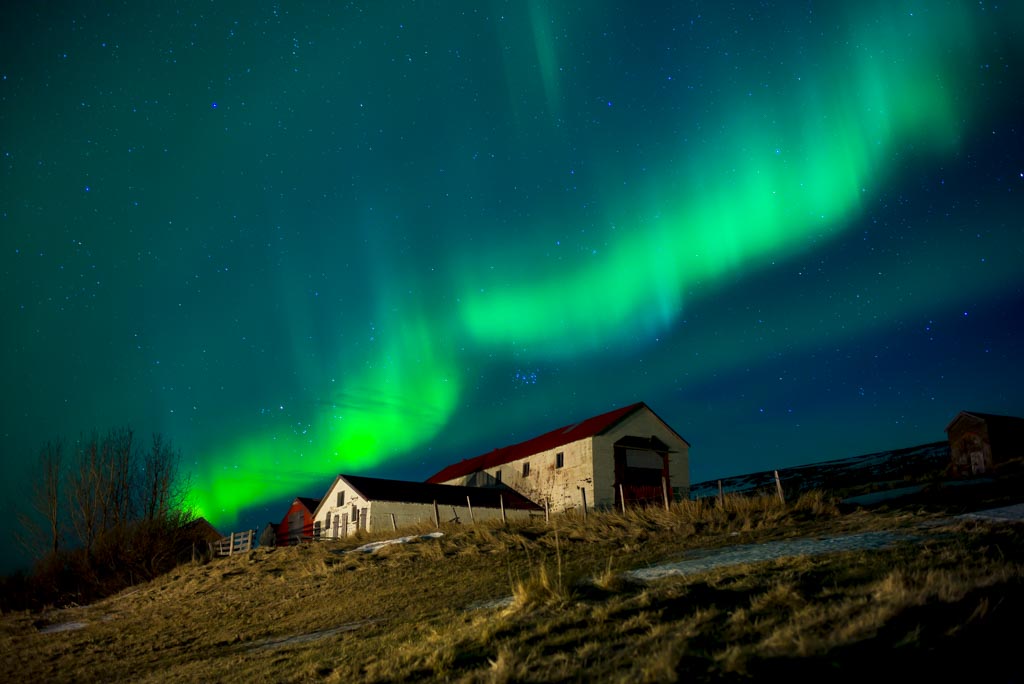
<point x="549" y="440"/>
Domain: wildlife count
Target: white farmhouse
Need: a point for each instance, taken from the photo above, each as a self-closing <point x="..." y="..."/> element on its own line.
<point x="627" y="452"/>
<point x="372" y="504"/>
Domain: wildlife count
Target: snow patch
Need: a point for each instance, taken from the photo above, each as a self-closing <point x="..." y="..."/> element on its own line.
<point x="372" y="547"/>
<point x="493" y="604"/>
<point x="62" y="627"/>
<point x="280" y="642"/>
<point x="1013" y="513"/>
<point x="755" y="553"/>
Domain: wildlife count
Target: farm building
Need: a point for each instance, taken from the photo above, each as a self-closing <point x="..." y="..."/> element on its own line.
<point x="200" y="529"/>
<point x="268" y="537"/>
<point x="372" y="504"/>
<point x="981" y="441"/>
<point x="297" y="525"/>
<point x="627" y="452"/>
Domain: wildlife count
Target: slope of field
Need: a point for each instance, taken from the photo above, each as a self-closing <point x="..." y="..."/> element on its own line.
<point x="552" y="602"/>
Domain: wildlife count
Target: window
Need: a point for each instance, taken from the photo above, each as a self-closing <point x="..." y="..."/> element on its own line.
<point x="341" y="498"/>
<point x="526" y="469"/>
<point x="497" y="477"/>
<point x="559" y="459"/>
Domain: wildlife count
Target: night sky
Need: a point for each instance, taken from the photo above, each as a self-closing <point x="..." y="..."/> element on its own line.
<point x="308" y="238"/>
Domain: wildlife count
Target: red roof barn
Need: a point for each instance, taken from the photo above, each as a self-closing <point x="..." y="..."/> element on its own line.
<point x="628" y="452"/>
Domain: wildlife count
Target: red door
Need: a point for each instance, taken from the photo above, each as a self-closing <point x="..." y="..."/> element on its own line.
<point x="639" y="474"/>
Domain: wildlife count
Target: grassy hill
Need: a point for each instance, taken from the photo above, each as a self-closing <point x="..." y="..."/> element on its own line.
<point x="551" y="602"/>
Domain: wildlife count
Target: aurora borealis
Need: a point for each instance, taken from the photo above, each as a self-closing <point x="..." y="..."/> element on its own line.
<point x="302" y="238"/>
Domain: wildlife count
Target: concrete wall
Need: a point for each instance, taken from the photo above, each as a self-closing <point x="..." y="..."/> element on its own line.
<point x="409" y="514"/>
<point x="378" y="513"/>
<point x="329" y="506"/>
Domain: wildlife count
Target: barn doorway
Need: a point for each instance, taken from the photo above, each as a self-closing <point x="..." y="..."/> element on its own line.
<point x="640" y="465"/>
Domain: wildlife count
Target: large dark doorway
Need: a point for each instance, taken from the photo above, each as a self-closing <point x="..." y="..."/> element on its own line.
<point x="640" y="465"/>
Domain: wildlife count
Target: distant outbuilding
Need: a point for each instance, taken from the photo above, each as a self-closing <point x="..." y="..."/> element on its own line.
<point x="981" y="441"/>
<point x="297" y="525"/>
<point x="200" y="529"/>
<point x="268" y="537"/>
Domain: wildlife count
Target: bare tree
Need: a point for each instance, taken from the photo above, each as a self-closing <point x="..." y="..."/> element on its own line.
<point x="47" y="493"/>
<point x="120" y="464"/>
<point x="86" y="490"/>
<point x="46" y="502"/>
<point x="162" y="487"/>
<point x="109" y="509"/>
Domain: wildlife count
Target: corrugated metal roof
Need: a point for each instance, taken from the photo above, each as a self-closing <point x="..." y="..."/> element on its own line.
<point x="378" y="489"/>
<point x="549" y="440"/>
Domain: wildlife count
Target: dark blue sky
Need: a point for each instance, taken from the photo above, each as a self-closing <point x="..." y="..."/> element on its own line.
<point x="301" y="240"/>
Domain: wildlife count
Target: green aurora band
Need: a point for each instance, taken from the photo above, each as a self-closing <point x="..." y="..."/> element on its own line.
<point x="772" y="185"/>
<point x="780" y="176"/>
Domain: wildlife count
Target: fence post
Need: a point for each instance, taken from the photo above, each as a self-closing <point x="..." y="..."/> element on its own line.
<point x="394" y="523"/>
<point x="622" y="497"/>
<point x="469" y="505"/>
<point x="583" y="493"/>
<point x="231" y="546"/>
<point x="547" y="510"/>
<point x="721" y="494"/>
<point x="778" y="487"/>
<point x="664" y="490"/>
<point x="501" y="500"/>
<point x="437" y="515"/>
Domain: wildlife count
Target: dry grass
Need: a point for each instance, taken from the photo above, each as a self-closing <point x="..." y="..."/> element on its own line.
<point x="410" y="612"/>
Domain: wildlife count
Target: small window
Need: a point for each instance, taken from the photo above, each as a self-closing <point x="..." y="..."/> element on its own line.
<point x="341" y="498"/>
<point x="526" y="469"/>
<point x="559" y="459"/>
<point x="497" y="477"/>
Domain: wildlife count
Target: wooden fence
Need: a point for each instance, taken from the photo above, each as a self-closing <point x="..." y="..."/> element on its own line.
<point x="237" y="542"/>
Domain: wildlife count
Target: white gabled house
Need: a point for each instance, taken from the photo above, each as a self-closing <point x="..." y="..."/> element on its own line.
<point x="372" y="504"/>
<point x="627" y="452"/>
